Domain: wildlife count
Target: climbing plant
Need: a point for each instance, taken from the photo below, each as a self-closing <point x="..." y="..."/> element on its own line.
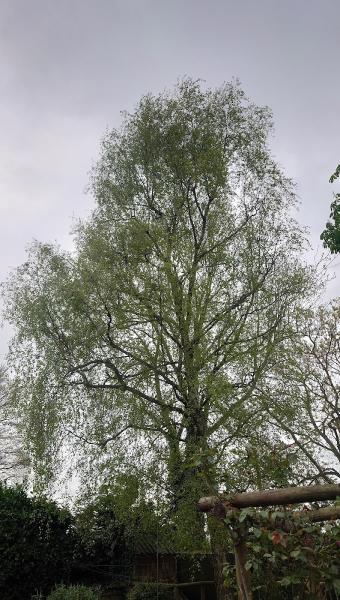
<point x="287" y="557"/>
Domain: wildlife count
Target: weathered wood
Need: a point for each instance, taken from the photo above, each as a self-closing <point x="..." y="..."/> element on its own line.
<point x="280" y="496"/>
<point x="242" y="575"/>
<point x="290" y="522"/>
<point x="328" y="513"/>
<point x="177" y="594"/>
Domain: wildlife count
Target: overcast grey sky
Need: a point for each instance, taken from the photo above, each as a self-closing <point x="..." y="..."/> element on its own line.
<point x="68" y="67"/>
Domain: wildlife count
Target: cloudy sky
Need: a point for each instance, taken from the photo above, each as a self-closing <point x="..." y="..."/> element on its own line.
<point x="68" y="67"/>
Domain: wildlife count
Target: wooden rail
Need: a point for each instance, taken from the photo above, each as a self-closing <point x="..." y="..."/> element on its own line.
<point x="280" y="496"/>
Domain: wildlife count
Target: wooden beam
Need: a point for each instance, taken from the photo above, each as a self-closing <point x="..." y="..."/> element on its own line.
<point x="328" y="513"/>
<point x="280" y="496"/>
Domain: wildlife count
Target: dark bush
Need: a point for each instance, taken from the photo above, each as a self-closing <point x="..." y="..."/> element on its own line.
<point x="36" y="544"/>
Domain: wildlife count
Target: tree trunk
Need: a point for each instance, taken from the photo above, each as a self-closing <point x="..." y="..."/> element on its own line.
<point x="186" y="484"/>
<point x="192" y="475"/>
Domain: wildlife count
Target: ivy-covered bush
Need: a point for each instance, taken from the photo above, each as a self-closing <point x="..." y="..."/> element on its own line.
<point x="73" y="592"/>
<point x="151" y="591"/>
<point x="36" y="544"/>
<point x="286" y="557"/>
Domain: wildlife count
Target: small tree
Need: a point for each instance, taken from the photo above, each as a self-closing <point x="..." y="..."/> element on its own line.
<point x="109" y="528"/>
<point x="101" y="535"/>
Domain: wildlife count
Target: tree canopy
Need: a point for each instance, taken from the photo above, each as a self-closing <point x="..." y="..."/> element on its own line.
<point x="145" y="346"/>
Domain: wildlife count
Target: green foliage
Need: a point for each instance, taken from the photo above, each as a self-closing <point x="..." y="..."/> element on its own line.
<point x="109" y="533"/>
<point x="285" y="552"/>
<point x="331" y="235"/>
<point x="151" y="591"/>
<point x="335" y="175"/>
<point x="36" y="544"/>
<point x="73" y="592"/>
<point x="101" y="537"/>
<point x="263" y="461"/>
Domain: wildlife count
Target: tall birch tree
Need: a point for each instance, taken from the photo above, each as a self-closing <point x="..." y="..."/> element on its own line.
<point x="146" y="344"/>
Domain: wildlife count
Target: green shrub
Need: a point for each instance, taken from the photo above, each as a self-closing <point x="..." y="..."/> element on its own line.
<point x="36" y="544"/>
<point x="149" y="591"/>
<point x="73" y="592"/>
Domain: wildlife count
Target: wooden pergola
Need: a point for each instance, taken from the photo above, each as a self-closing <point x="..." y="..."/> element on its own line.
<point x="221" y="506"/>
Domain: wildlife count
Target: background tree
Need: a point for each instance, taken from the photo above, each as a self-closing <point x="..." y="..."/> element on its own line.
<point x="331" y="235"/>
<point x="13" y="462"/>
<point x="307" y="389"/>
<point x="147" y="342"/>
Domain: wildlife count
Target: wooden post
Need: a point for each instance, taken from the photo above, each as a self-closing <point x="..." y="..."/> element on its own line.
<point x="242" y="575"/>
<point x="176" y="593"/>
